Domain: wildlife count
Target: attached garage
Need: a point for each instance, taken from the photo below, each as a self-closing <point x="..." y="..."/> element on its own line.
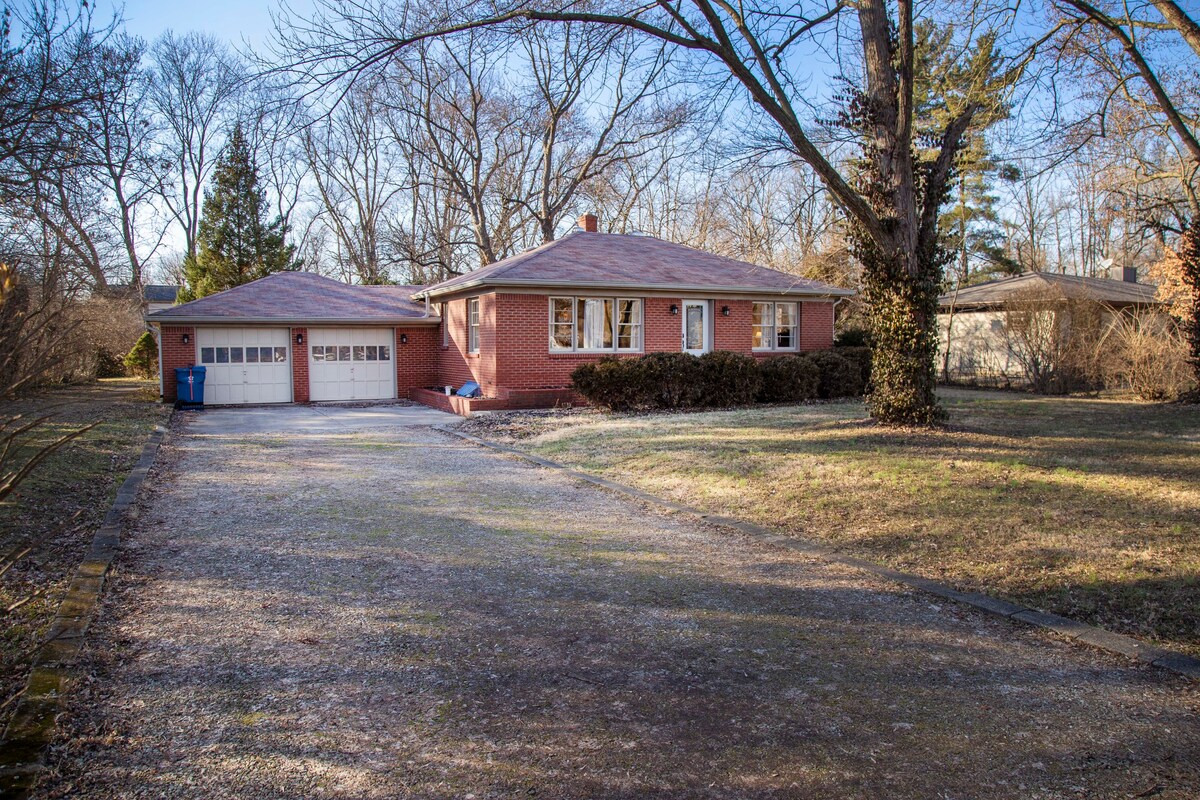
<point x="351" y="364"/>
<point x="296" y="337"/>
<point x="245" y="365"/>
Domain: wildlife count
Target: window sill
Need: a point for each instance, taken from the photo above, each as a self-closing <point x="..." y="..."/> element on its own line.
<point x="596" y="352"/>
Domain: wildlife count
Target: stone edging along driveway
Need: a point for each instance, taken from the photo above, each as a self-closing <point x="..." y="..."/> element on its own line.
<point x="1077" y="631"/>
<point x="29" y="732"/>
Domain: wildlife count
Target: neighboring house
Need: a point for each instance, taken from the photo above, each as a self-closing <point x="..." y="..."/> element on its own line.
<point x="158" y="296"/>
<point x="153" y="297"/>
<point x="517" y="327"/>
<point x="979" y="348"/>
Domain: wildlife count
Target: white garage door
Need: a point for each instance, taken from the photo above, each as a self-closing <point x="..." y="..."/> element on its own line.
<point x="351" y="364"/>
<point x="245" y="365"/>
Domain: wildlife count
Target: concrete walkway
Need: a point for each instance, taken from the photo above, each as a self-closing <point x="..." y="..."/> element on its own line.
<point x="361" y="610"/>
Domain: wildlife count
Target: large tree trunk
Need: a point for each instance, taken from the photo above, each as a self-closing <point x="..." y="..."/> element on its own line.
<point x="1189" y="253"/>
<point x="902" y="310"/>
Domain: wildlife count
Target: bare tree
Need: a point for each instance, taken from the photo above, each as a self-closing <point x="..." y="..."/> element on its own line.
<point x="351" y="158"/>
<point x="196" y="81"/>
<point x="576" y="68"/>
<point x="894" y="198"/>
<point x="476" y="135"/>
<point x="1147" y="111"/>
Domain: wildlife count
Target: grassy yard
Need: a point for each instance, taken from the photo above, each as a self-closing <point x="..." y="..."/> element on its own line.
<point x="81" y="477"/>
<point x="1086" y="507"/>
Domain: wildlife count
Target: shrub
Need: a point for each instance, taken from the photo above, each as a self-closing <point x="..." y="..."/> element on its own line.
<point x="668" y="380"/>
<point x="108" y="364"/>
<point x="861" y="356"/>
<point x="604" y="383"/>
<point x="142" y="359"/>
<point x="729" y="379"/>
<point x="840" y="377"/>
<point x="853" y="337"/>
<point x="1146" y="354"/>
<point x="679" y="380"/>
<point x="788" y="379"/>
<point x="1055" y="338"/>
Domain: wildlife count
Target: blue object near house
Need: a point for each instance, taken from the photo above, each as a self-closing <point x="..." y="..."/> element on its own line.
<point x="189" y="385"/>
<point x="469" y="389"/>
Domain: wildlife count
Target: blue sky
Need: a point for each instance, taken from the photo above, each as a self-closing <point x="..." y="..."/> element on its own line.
<point x="236" y="21"/>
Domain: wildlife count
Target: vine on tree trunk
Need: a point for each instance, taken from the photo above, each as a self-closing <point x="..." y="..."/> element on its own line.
<point x="901" y="285"/>
<point x="1189" y="254"/>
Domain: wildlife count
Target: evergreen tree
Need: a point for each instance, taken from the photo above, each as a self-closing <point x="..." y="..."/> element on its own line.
<point x="236" y="244"/>
<point x="948" y="79"/>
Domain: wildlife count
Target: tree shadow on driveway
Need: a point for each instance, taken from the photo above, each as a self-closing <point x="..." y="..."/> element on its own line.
<point x="442" y="622"/>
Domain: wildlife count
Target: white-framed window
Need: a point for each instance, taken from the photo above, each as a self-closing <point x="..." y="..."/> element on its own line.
<point x="775" y="326"/>
<point x="595" y="324"/>
<point x="473" y="325"/>
<point x="445" y="313"/>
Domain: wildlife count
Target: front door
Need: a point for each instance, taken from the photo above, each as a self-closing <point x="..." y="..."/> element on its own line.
<point x="695" y="327"/>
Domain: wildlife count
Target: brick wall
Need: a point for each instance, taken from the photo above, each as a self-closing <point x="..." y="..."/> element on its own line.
<point x="176" y="354"/>
<point x="299" y="365"/>
<point x="455" y="365"/>
<point x="524" y="360"/>
<point x="417" y="359"/>
<point x="816" y="325"/>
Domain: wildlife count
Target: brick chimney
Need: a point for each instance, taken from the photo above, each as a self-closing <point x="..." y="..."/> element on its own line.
<point x="1123" y="274"/>
<point x="589" y="222"/>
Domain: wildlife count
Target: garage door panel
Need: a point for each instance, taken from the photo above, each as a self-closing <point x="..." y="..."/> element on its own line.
<point x="351" y="364"/>
<point x="245" y="365"/>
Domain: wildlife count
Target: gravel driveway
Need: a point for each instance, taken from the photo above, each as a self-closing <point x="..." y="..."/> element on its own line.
<point x="390" y="612"/>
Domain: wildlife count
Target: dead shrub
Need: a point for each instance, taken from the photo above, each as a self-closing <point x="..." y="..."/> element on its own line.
<point x="1056" y="339"/>
<point x="1146" y="354"/>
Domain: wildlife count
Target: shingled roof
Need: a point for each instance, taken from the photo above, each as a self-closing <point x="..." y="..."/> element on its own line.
<point x="301" y="297"/>
<point x="994" y="294"/>
<point x="586" y="260"/>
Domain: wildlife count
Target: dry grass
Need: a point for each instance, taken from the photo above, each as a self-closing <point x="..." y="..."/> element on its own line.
<point x="1086" y="507"/>
<point x="82" y="477"/>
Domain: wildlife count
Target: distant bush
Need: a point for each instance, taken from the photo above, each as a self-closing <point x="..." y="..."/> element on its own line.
<point x="840" y="377"/>
<point x="108" y="364"/>
<point x="729" y="379"/>
<point x="853" y="337"/>
<point x="788" y="379"/>
<point x="142" y="358"/>
<point x="719" y="379"/>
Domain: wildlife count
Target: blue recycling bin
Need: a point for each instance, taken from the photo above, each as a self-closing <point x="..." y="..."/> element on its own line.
<point x="189" y="385"/>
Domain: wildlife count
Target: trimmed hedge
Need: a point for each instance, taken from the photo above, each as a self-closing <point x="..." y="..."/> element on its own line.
<point x="788" y="379"/>
<point x="729" y="379"/>
<point x="720" y="379"/>
<point x="861" y="356"/>
<point x="840" y="377"/>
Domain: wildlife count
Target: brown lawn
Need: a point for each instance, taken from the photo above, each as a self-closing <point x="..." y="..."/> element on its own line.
<point x="1085" y="507"/>
<point x="82" y="477"/>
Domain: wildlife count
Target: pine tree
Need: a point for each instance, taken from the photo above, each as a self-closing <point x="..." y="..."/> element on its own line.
<point x="235" y="243"/>
<point x="948" y="78"/>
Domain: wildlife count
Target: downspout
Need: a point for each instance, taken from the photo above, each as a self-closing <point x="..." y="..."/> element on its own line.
<point x="833" y="322"/>
<point x="157" y="329"/>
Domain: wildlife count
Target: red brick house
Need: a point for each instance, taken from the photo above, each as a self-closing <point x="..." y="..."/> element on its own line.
<point x="517" y="327"/>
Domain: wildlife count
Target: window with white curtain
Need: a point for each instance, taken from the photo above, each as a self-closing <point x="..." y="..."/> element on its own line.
<point x="775" y="326"/>
<point x="595" y="324"/>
